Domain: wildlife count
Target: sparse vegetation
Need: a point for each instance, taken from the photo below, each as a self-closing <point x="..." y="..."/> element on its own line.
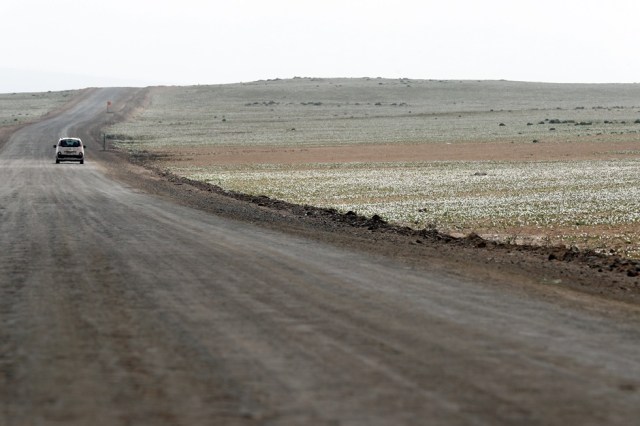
<point x="16" y="108"/>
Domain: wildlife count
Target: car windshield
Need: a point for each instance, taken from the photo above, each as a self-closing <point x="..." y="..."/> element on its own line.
<point x="69" y="143"/>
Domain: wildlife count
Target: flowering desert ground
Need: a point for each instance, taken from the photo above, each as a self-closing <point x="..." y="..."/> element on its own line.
<point x="322" y="252"/>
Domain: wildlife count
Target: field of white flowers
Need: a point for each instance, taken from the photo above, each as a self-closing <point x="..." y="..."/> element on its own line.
<point x="555" y="202"/>
<point x="591" y="204"/>
<point x="16" y="108"/>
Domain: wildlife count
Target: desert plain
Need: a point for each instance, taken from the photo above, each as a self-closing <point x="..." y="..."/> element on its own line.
<point x="523" y="163"/>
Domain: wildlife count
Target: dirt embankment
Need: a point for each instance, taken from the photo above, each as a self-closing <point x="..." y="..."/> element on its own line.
<point x="588" y="271"/>
<point x="7" y="131"/>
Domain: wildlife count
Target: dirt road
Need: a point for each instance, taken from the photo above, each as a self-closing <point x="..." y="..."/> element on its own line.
<point x="122" y="308"/>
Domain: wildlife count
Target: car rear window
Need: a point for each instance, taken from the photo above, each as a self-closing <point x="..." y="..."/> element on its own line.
<point x="69" y="143"/>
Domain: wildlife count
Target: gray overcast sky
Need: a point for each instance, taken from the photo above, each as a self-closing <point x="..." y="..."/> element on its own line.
<point x="54" y="45"/>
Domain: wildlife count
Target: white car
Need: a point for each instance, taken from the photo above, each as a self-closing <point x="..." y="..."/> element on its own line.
<point x="69" y="149"/>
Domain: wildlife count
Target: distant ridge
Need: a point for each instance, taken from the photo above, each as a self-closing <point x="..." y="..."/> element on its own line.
<point x="17" y="81"/>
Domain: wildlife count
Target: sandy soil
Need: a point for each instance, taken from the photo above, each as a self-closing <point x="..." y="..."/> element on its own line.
<point x="600" y="148"/>
<point x="481" y="151"/>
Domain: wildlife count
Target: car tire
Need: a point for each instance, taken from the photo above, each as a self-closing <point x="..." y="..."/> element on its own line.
<point x="81" y="161"/>
<point x="57" y="161"/>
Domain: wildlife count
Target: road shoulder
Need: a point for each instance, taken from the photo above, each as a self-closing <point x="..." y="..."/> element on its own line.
<point x="546" y="269"/>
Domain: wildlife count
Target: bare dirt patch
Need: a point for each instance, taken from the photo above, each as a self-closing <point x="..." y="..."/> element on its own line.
<point x="597" y="148"/>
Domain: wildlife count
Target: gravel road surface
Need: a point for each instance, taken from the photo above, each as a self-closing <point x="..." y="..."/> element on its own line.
<point x="121" y="308"/>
